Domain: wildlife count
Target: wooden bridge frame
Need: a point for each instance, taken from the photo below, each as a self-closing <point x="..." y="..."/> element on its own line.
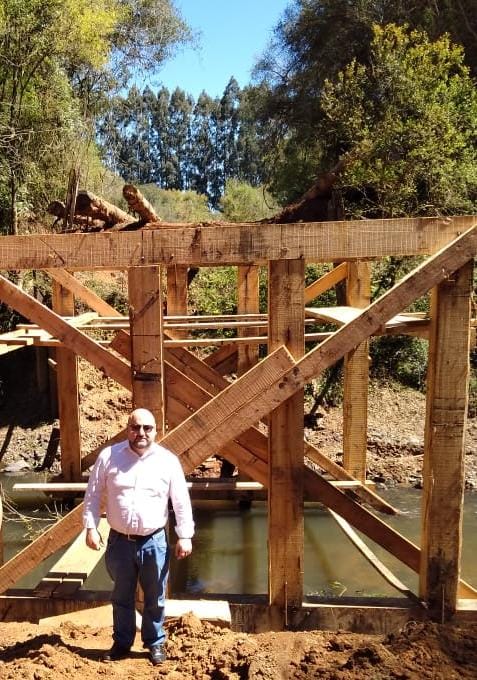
<point x="200" y="412"/>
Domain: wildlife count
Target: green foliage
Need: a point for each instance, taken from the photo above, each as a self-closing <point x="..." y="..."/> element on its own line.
<point x="178" y="206"/>
<point x="409" y="120"/>
<point x="53" y="54"/>
<point x="401" y="357"/>
<point x="242" y="202"/>
<point x="113" y="291"/>
<point x="214" y="291"/>
<point x="314" y="42"/>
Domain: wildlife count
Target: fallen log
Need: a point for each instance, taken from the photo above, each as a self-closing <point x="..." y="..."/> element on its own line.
<point x="139" y="204"/>
<point x="314" y="205"/>
<point x="90" y="205"/>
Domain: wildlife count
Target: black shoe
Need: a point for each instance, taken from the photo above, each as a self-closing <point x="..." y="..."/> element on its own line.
<point x="115" y="653"/>
<point x="157" y="654"/>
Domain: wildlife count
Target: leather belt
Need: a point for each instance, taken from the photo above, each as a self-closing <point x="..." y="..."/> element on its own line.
<point x="136" y="537"/>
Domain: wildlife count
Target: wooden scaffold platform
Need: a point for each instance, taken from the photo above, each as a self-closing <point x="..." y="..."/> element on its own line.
<point x="255" y="420"/>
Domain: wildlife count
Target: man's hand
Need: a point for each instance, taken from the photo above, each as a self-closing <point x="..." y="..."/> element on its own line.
<point x="93" y="539"/>
<point x="183" y="548"/>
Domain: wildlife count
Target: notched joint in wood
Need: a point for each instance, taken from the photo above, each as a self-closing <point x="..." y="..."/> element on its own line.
<point x="146" y="377"/>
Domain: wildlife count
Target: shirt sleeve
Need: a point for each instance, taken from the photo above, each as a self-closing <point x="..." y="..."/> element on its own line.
<point x="94" y="493"/>
<point x="180" y="498"/>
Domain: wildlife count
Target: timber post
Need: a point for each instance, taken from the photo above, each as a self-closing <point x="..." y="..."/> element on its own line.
<point x="286" y="321"/>
<point x="68" y="393"/>
<point x="444" y="448"/>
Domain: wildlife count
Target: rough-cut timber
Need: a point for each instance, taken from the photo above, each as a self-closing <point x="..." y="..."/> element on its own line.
<point x="68" y="393"/>
<point x="443" y="469"/>
<point x="286" y="322"/>
<point x="356" y="378"/>
<point x="233" y="243"/>
<point x="145" y="315"/>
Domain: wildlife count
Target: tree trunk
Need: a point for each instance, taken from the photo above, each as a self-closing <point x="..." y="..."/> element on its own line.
<point x="139" y="204"/>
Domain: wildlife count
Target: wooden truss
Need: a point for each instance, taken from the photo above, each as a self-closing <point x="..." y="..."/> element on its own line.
<point x="201" y="412"/>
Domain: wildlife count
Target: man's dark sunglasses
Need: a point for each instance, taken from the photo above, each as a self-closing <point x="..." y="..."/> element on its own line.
<point x="146" y="428"/>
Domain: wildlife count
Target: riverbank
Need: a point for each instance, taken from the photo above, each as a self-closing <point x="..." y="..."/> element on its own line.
<point x="395" y="429"/>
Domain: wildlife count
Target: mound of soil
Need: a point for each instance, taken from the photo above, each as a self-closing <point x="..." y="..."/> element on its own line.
<point x="199" y="651"/>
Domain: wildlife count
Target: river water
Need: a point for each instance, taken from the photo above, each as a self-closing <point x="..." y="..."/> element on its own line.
<point x="230" y="548"/>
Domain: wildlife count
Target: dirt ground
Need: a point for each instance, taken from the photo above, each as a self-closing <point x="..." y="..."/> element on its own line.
<point x="198" y="650"/>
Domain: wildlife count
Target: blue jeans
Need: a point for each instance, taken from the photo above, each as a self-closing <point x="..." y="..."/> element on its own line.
<point x="145" y="560"/>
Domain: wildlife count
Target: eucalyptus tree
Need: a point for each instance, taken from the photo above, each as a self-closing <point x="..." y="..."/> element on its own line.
<point x="203" y="152"/>
<point x="180" y="140"/>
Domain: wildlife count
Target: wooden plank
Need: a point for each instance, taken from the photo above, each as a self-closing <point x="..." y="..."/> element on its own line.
<point x="78" y="561"/>
<point x="338" y="315"/>
<point x="67" y="382"/>
<point x="326" y="282"/>
<point x="247" y="303"/>
<point x="195" y="437"/>
<point x="343" y="315"/>
<point x="75" y="321"/>
<point x="231" y="412"/>
<point x="73" y="338"/>
<point x="51" y="540"/>
<point x="184" y="396"/>
<point x="286" y="321"/>
<point x="145" y="312"/>
<point x="356" y="378"/>
<point x="223" y="360"/>
<point x="199" y="244"/>
<point x="444" y="447"/>
<point x="372" y="558"/>
<point x="212" y="383"/>
<point x="72" y="569"/>
<point x="82" y="292"/>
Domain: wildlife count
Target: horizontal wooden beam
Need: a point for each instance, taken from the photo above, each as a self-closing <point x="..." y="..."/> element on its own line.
<point x="217" y="244"/>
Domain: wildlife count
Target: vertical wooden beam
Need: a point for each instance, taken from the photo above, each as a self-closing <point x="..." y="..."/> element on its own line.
<point x="68" y="394"/>
<point x="286" y="436"/>
<point x="1" y="526"/>
<point x="247" y="303"/>
<point x="443" y="470"/>
<point x="145" y="318"/>
<point x="356" y="378"/>
<point x="177" y="292"/>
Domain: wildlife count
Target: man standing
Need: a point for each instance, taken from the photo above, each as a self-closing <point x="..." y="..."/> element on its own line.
<point x="136" y="478"/>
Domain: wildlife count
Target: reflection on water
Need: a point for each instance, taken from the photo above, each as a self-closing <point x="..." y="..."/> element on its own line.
<point x="230" y="549"/>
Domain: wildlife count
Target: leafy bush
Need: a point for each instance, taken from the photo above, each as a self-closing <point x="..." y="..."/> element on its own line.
<point x="401" y="357"/>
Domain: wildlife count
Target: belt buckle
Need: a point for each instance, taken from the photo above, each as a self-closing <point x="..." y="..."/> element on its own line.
<point x="131" y="537"/>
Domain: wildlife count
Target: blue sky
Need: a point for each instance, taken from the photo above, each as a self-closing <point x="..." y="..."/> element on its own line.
<point x="233" y="33"/>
